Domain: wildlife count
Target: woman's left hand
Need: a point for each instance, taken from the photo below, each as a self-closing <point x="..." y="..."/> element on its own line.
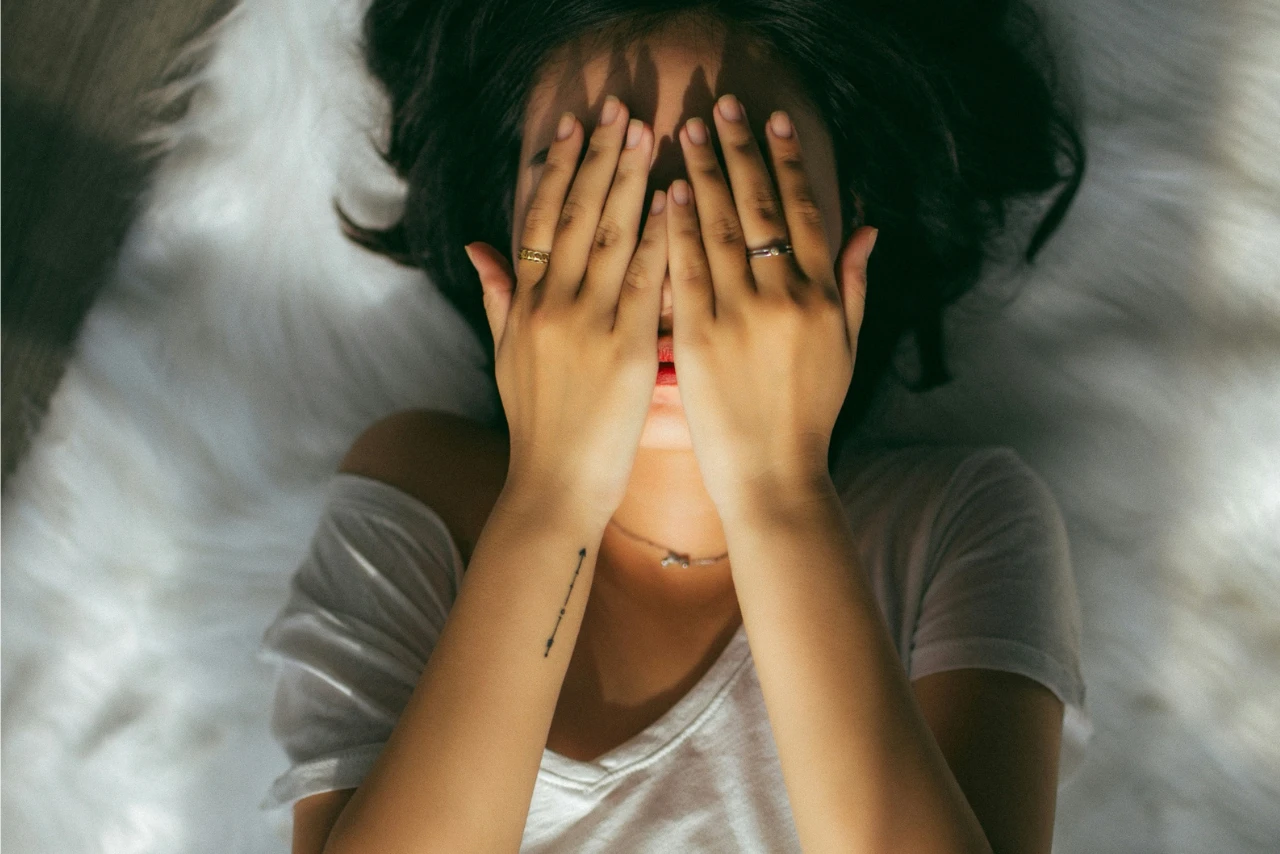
<point x="764" y="347"/>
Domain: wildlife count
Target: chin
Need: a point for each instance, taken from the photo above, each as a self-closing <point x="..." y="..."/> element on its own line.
<point x="665" y="428"/>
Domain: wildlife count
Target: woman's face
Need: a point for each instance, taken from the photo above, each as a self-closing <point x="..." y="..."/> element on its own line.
<point x="665" y="80"/>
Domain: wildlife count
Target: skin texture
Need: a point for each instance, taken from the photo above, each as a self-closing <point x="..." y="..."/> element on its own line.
<point x="664" y="80"/>
<point x="973" y="746"/>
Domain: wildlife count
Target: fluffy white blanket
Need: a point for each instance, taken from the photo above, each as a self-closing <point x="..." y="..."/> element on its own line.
<point x="241" y="345"/>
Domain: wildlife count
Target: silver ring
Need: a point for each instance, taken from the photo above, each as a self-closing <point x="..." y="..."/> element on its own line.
<point x="770" y="251"/>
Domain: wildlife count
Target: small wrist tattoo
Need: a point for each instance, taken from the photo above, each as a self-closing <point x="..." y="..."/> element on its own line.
<point x="582" y="554"/>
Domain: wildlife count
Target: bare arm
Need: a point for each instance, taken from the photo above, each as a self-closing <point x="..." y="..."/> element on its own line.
<point x="862" y="769"/>
<point x="314" y="817"/>
<point x="458" y="771"/>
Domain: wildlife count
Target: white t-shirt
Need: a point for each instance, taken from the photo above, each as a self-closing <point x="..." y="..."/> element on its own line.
<point x="966" y="551"/>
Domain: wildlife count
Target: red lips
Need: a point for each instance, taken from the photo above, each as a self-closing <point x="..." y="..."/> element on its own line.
<point x="666" y="349"/>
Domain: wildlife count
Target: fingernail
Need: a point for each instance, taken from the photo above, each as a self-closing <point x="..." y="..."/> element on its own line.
<point x="781" y="124"/>
<point x="730" y="108"/>
<point x="610" y="111"/>
<point x="697" y="131"/>
<point x="680" y="192"/>
<point x="874" y="236"/>
<point x="659" y="202"/>
<point x="634" y="129"/>
<point x="566" y="126"/>
<point x="470" y="257"/>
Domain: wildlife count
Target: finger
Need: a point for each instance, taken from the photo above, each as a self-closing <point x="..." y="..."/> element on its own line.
<point x="853" y="280"/>
<point x="808" y="234"/>
<point x="619" y="226"/>
<point x="693" y="299"/>
<point x="497" y="280"/>
<point x="548" y="200"/>
<point x="721" y="233"/>
<point x="576" y="232"/>
<point x="756" y="204"/>
<point x="640" y="303"/>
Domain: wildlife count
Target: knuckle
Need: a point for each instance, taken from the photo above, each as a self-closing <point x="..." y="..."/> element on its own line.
<point x="539" y="216"/>
<point x="692" y="273"/>
<point x="791" y="162"/>
<point x="764" y="204"/>
<point x="570" y="213"/>
<point x="595" y="150"/>
<point x="636" y="279"/>
<point x="649" y="238"/>
<point x="710" y="170"/>
<point x="726" y="230"/>
<point x="800" y="191"/>
<point x="630" y="167"/>
<point x="559" y="165"/>
<point x="640" y="274"/>
<point x="805" y="206"/>
<point x="688" y="229"/>
<point x="608" y="233"/>
<point x="744" y="146"/>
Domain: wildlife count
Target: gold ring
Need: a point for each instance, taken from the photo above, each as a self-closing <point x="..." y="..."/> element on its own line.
<point x="527" y="254"/>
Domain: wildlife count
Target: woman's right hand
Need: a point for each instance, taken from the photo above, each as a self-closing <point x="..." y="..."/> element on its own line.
<point x="575" y="345"/>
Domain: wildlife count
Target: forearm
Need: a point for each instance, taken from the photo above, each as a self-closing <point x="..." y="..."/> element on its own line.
<point x="862" y="770"/>
<point x="458" y="771"/>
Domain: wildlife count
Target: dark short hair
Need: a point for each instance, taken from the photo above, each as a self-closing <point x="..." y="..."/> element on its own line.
<point x="941" y="113"/>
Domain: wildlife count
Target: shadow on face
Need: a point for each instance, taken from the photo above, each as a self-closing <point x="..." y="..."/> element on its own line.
<point x="665" y="79"/>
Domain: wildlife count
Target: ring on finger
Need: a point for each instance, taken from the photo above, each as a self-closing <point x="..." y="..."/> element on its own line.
<point x="769" y="251"/>
<point x="527" y="254"/>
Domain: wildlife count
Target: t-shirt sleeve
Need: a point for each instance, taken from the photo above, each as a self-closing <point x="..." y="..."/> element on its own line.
<point x="1002" y="593"/>
<point x="365" y="609"/>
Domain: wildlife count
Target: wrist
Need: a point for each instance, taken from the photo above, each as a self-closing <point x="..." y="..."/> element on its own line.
<point x="539" y="498"/>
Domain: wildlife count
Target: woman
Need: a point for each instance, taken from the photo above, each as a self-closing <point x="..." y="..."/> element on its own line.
<point x="688" y="622"/>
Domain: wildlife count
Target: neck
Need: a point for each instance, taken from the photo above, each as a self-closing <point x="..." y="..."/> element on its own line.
<point x="667" y="503"/>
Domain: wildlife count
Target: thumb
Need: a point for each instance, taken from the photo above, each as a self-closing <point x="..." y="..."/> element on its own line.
<point x="497" y="281"/>
<point x="853" y="278"/>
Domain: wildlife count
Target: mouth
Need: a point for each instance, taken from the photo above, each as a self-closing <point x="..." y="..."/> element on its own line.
<point x="666" y="350"/>
<point x="666" y="361"/>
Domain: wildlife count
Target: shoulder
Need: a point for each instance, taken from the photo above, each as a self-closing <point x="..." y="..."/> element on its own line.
<point x="997" y="480"/>
<point x="948" y="493"/>
<point x="975" y="492"/>
<point x="454" y="465"/>
<point x="945" y="471"/>
<point x="395" y="447"/>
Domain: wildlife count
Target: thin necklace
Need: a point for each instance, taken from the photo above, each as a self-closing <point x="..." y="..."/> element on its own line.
<point x="672" y="556"/>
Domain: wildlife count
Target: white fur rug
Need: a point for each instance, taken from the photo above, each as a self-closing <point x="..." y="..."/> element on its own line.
<point x="242" y="343"/>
